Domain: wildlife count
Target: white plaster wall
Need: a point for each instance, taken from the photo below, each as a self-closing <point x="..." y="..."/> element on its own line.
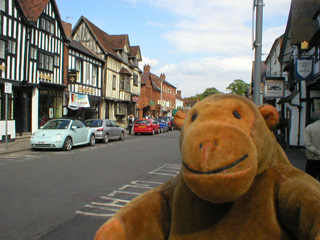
<point x="35" y="110"/>
<point x="11" y="129"/>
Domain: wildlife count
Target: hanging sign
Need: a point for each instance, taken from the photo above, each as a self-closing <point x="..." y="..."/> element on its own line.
<point x="303" y="69"/>
<point x="273" y="88"/>
<point x="77" y="100"/>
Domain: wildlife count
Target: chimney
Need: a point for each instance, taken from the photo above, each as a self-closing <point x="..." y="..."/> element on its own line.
<point x="146" y="68"/>
<point x="179" y="93"/>
<point x="163" y="76"/>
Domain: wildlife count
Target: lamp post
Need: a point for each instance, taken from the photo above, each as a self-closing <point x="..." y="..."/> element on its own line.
<point x="258" y="48"/>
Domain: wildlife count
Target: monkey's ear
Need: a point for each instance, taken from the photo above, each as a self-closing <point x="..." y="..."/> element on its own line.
<point x="179" y="118"/>
<point x="270" y="115"/>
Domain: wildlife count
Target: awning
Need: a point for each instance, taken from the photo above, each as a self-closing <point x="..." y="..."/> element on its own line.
<point x="288" y="98"/>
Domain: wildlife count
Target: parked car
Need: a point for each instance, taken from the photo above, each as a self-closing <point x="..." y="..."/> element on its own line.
<point x="169" y="120"/>
<point x="146" y="126"/>
<point x="163" y="125"/>
<point x="106" y="129"/>
<point x="62" y="133"/>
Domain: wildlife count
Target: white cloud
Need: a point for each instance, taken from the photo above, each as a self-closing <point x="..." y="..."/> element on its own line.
<point x="152" y="62"/>
<point x="195" y="76"/>
<point x="217" y="35"/>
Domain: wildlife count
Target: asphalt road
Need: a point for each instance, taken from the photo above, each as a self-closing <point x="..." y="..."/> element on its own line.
<point x="68" y="195"/>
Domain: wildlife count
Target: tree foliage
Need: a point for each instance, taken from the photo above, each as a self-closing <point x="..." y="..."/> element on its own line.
<point x="238" y="87"/>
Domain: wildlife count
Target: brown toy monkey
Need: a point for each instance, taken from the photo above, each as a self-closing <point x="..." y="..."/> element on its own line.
<point x="235" y="183"/>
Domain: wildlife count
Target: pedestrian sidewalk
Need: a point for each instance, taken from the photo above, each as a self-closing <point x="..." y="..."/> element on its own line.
<point x="22" y="143"/>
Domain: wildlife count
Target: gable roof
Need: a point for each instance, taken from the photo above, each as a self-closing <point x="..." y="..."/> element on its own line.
<point x="82" y="48"/>
<point x="32" y="10"/>
<point x="302" y="26"/>
<point x="117" y="42"/>
<point x="136" y="52"/>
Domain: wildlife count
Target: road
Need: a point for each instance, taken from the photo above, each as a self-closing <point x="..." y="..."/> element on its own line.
<point x="68" y="195"/>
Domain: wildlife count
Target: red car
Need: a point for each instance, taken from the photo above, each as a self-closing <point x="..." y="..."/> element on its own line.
<point x="146" y="126"/>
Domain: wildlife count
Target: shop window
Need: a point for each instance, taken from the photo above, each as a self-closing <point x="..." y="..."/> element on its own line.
<point x="45" y="62"/>
<point x="114" y="82"/>
<point x="121" y="109"/>
<point x="94" y="75"/>
<point x="3" y="5"/>
<point x="47" y="25"/>
<point x="3" y="105"/>
<point x="12" y="46"/>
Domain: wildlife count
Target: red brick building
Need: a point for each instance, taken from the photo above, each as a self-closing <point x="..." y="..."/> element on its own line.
<point x="158" y="97"/>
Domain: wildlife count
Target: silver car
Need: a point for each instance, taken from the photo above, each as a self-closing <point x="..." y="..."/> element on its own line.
<point x="105" y="129"/>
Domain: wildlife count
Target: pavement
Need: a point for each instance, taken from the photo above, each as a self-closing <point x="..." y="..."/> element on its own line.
<point x="295" y="155"/>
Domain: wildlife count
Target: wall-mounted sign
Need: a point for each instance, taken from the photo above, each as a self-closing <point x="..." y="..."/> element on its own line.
<point x="135" y="98"/>
<point x="8" y="88"/>
<point x="72" y="77"/>
<point x="303" y="69"/>
<point x="152" y="103"/>
<point x="45" y="77"/>
<point x="273" y="88"/>
<point x="78" y="100"/>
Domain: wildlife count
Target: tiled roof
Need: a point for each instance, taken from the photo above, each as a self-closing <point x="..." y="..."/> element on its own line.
<point x="134" y="51"/>
<point x="117" y="41"/>
<point x="100" y="35"/>
<point x="80" y="47"/>
<point x="145" y="77"/>
<point x="67" y="29"/>
<point x="302" y="26"/>
<point x="33" y="8"/>
<point x="125" y="71"/>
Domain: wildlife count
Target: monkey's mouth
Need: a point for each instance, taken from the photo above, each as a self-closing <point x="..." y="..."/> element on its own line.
<point x="219" y="170"/>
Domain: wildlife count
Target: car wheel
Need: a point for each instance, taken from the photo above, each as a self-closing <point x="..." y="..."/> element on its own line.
<point x="152" y="133"/>
<point x="121" y="136"/>
<point x="106" y="138"/>
<point x="67" y="146"/>
<point x="92" y="140"/>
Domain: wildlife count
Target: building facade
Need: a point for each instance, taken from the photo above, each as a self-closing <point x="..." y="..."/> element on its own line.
<point x="31" y="48"/>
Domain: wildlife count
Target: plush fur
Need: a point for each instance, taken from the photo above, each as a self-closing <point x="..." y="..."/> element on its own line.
<point x="235" y="183"/>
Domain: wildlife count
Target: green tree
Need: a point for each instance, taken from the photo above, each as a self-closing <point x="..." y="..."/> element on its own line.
<point x="208" y="92"/>
<point x="239" y="87"/>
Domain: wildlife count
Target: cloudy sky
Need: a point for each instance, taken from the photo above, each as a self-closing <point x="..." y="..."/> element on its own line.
<point x="198" y="44"/>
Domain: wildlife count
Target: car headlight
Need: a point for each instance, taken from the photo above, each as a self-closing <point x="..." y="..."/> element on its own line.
<point x="59" y="135"/>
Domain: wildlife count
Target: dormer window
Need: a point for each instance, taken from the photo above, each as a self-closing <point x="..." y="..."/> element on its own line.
<point x="47" y="25"/>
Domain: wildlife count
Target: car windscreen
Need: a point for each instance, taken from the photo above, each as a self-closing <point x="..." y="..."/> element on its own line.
<point x="57" y="124"/>
<point x="94" y="123"/>
<point x="143" y="122"/>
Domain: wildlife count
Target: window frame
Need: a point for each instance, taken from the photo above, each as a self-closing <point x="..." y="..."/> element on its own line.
<point x="44" y="62"/>
<point x="4" y="49"/>
<point x="12" y="46"/>
<point x="47" y="25"/>
<point x="4" y="5"/>
<point x="114" y="82"/>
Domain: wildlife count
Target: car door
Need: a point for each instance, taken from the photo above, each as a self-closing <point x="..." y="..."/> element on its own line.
<point x="75" y="133"/>
<point x="81" y="132"/>
<point x="113" y="129"/>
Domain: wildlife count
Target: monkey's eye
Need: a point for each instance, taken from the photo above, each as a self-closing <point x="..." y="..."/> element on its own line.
<point x="236" y="114"/>
<point x="194" y="117"/>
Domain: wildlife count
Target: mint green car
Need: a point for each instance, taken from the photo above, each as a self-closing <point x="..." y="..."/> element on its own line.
<point x="62" y="133"/>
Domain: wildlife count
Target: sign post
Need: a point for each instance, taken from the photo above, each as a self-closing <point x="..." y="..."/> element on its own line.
<point x="7" y="91"/>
